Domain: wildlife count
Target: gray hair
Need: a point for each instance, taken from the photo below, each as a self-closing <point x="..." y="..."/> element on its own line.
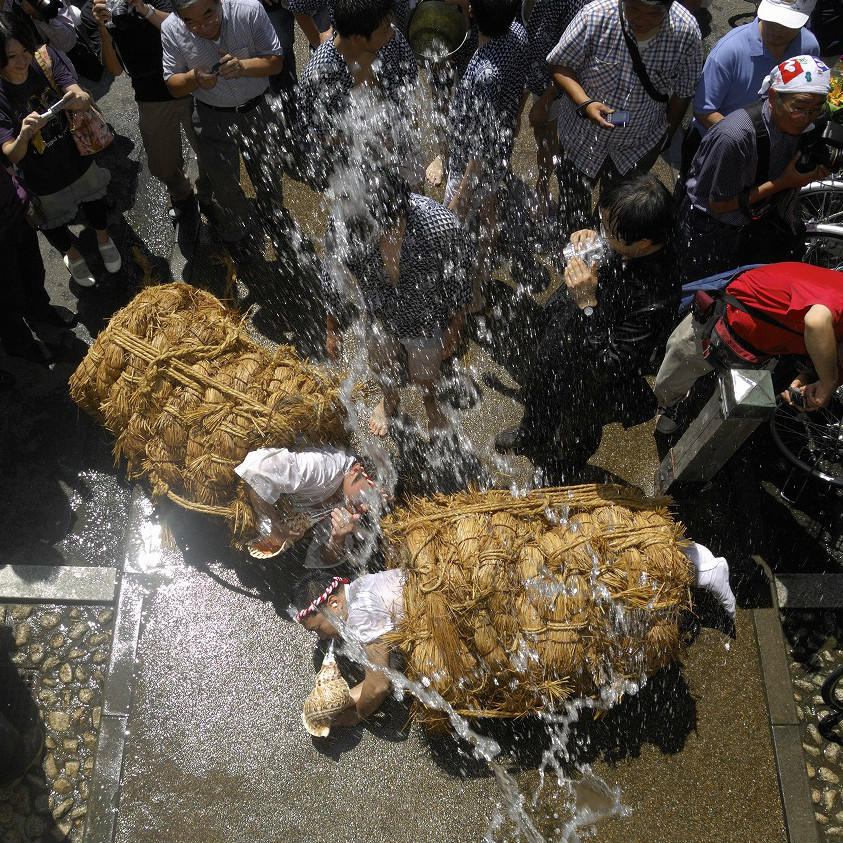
<point x="181" y="5"/>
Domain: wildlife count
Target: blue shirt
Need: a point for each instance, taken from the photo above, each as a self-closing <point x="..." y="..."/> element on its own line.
<point x="246" y="33"/>
<point x="736" y="67"/>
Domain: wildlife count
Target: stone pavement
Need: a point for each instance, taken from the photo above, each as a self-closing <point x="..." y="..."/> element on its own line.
<point x="188" y="726"/>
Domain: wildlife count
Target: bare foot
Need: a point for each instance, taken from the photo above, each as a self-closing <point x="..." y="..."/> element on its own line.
<point x="435" y="171"/>
<point x="379" y="420"/>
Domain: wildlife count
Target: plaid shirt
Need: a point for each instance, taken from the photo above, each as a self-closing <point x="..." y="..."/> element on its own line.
<point x="485" y="107"/>
<point x="726" y="161"/>
<point x="434" y="278"/>
<point x="593" y="46"/>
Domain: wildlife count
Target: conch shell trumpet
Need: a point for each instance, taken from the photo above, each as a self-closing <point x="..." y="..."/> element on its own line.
<point x="329" y="697"/>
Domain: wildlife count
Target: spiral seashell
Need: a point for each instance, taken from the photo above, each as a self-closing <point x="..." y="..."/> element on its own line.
<point x="329" y="697"/>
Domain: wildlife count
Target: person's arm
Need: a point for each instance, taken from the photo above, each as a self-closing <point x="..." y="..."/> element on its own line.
<point x="709" y="120"/>
<point x="367" y="696"/>
<point x="182" y="84"/>
<point x="791" y="178"/>
<point x="108" y="55"/>
<point x="676" y="107"/>
<point x="821" y="345"/>
<point x="256" y="68"/>
<point x="309" y="28"/>
<point x="460" y="203"/>
<point x="149" y="12"/>
<point x="59" y="32"/>
<point x="568" y="82"/>
<point x="15" y="149"/>
<point x="453" y="336"/>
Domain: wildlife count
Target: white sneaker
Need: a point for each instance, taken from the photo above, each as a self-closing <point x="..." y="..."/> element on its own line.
<point x="80" y="272"/>
<point x="110" y="256"/>
<point x="712" y="573"/>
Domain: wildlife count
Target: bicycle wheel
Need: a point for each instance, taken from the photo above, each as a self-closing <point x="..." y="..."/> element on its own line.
<point x="824" y="246"/>
<point x="822" y="202"/>
<point x="812" y="441"/>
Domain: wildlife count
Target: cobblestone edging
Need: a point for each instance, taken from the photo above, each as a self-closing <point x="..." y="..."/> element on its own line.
<point x="62" y="653"/>
<point x="814" y="645"/>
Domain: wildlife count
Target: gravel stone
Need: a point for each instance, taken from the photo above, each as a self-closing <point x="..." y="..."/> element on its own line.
<point x="23" y="632"/>
<point x="51" y="662"/>
<point x="812" y="771"/>
<point x="810" y="749"/>
<point x="815" y="735"/>
<point x="86" y="695"/>
<point x="828" y="800"/>
<point x="36" y="653"/>
<point x="816" y="795"/>
<point x="59" y="720"/>
<point x="51" y="769"/>
<point x="90" y="741"/>
<point x="79" y="812"/>
<point x="58" y="641"/>
<point x="83" y="789"/>
<point x="50" y="621"/>
<point x="71" y="769"/>
<point x="62" y="809"/>
<point x="89" y="763"/>
<point x="62" y="786"/>
<point x="800" y="714"/>
<point x="100" y="657"/>
<point x="833" y="831"/>
<point x="75" y="653"/>
<point x="828" y="775"/>
<point x="822" y="819"/>
<point x="21" y="612"/>
<point x="70" y="745"/>
<point x="75" y="614"/>
<point x="77" y="631"/>
<point x="105" y="616"/>
<point x="833" y="752"/>
<point x="80" y="674"/>
<point x="95" y="716"/>
<point x="66" y="673"/>
<point x="47" y="696"/>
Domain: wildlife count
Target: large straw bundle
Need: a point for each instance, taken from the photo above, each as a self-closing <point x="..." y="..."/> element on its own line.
<point x="513" y="604"/>
<point x="188" y="395"/>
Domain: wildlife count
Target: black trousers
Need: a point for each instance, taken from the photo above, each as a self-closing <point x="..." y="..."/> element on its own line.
<point x="23" y="284"/>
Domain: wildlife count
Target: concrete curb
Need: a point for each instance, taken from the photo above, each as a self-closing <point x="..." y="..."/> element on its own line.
<point x="137" y="582"/>
<point x="795" y="789"/>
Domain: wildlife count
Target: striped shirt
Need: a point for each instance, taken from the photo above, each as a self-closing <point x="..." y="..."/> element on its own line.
<point x="593" y="46"/>
<point x="246" y="33"/>
<point x="726" y="161"/>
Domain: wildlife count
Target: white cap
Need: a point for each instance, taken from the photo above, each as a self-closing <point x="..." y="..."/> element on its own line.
<point x="790" y="13"/>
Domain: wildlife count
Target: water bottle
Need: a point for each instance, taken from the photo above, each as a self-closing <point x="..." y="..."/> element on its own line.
<point x="594" y="253"/>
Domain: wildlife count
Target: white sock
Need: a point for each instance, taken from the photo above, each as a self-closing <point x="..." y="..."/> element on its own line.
<point x="712" y="573"/>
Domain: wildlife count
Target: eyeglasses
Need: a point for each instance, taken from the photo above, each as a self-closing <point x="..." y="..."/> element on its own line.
<point x="206" y="21"/>
<point x="802" y="112"/>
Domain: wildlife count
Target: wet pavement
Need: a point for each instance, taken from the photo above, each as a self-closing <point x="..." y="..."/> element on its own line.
<point x="189" y="726"/>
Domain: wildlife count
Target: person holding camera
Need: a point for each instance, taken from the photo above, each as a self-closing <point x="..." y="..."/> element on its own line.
<point x="742" y="194"/>
<point x="783" y="308"/>
<point x="628" y="70"/>
<point x="35" y="135"/>
<point x="223" y="53"/>
<point x="131" y="39"/>
<point x="53" y="20"/>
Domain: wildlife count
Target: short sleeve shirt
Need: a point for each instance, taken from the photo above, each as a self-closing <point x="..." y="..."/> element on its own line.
<point x="486" y="104"/>
<point x="375" y="605"/>
<point x="736" y="67"/>
<point x="726" y="163"/>
<point x="434" y="280"/>
<point x="245" y="34"/>
<point x="786" y="291"/>
<point x="593" y="46"/>
<point x="52" y="161"/>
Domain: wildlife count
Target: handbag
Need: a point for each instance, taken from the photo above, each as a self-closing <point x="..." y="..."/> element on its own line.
<point x="90" y="130"/>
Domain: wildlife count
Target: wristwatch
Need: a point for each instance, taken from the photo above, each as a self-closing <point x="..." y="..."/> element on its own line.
<point x="150" y="11"/>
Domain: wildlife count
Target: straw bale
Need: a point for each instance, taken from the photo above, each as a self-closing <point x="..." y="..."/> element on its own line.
<point x="187" y="395"/>
<point x="514" y="604"/>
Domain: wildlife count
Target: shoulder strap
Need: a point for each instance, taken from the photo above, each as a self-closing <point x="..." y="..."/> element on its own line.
<point x="762" y="141"/>
<point x="638" y="64"/>
<point x="46" y="65"/>
<point x="752" y="311"/>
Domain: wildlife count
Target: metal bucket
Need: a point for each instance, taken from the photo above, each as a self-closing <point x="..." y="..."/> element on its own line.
<point x="436" y="31"/>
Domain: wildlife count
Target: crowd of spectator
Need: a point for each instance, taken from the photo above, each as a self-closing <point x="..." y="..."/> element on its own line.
<point x="609" y="84"/>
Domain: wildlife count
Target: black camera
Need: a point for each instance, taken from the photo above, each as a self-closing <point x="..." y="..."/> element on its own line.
<point x="44" y="10"/>
<point x="825" y="150"/>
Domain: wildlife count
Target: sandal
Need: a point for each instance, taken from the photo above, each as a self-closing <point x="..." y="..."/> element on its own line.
<point x="264" y="548"/>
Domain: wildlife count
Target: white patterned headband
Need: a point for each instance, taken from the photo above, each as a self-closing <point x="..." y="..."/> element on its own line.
<point x="335" y="582"/>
